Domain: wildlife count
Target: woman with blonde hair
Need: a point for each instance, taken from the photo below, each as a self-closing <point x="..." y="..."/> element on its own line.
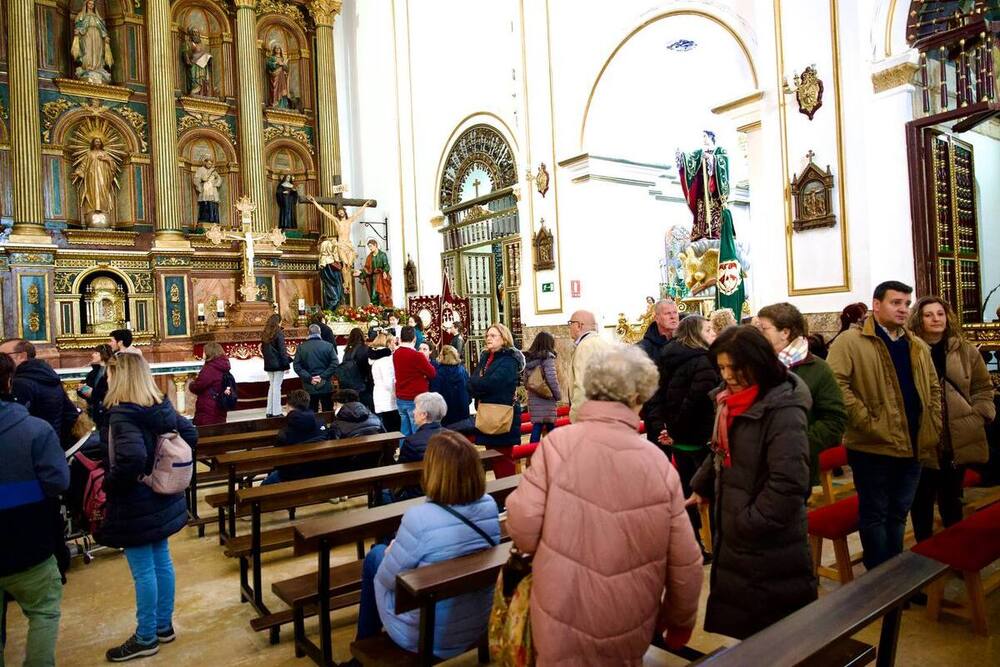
<point x="493" y="384"/>
<point x="384" y="380"/>
<point x="137" y="519"/>
<point x="452" y="382"/>
<point x="276" y="362"/>
<point x="603" y="513"/>
<point x="209" y="387"/>
<point x="722" y="319"/>
<point x="967" y="404"/>
<point x="457" y="519"/>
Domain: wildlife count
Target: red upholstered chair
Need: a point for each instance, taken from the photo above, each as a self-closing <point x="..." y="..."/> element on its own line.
<point x="967" y="547"/>
<point x="829" y="459"/>
<point x="973" y="479"/>
<point x="834" y="522"/>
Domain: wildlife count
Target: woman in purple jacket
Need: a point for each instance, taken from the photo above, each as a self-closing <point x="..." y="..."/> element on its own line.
<point x="542" y="407"/>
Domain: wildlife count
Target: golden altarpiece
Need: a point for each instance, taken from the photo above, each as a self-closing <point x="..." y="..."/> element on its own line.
<point x="129" y="129"/>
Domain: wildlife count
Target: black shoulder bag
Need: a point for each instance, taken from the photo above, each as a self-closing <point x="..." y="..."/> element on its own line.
<point x="461" y="517"/>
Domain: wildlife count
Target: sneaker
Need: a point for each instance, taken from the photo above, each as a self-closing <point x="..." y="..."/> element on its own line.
<point x="131" y="649"/>
<point x="166" y="635"/>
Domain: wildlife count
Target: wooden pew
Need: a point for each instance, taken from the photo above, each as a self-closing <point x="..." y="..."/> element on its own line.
<point x="238" y="464"/>
<point x="813" y="632"/>
<point x="253" y="425"/>
<point x="323" y="534"/>
<point x="300" y="493"/>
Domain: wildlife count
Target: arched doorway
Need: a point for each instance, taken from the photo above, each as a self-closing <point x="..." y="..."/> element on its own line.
<point x="482" y="232"/>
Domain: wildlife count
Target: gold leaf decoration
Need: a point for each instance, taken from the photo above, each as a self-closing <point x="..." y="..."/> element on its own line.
<point x="51" y="112"/>
<point x="33" y="295"/>
<point x="278" y="7"/>
<point x="193" y="121"/>
<point x="138" y="122"/>
<point x="34" y="321"/>
<point x="272" y="132"/>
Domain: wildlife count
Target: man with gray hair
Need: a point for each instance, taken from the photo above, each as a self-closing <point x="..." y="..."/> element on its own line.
<point x="583" y="330"/>
<point x="661" y="330"/>
<point x="429" y="411"/>
<point x="316" y="362"/>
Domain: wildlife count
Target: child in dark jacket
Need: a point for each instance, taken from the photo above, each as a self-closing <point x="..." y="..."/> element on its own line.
<point x="33" y="474"/>
<point x="301" y="425"/>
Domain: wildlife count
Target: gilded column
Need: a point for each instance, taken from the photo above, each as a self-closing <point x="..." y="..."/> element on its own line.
<point x="251" y="116"/>
<point x="324" y="12"/>
<point x="163" y="126"/>
<point x="25" y="126"/>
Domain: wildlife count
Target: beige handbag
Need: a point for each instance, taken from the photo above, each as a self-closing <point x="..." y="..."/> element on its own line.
<point x="535" y="382"/>
<point x="494" y="418"/>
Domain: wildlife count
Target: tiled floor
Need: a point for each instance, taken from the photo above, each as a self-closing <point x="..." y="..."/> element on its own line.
<point x="213" y="626"/>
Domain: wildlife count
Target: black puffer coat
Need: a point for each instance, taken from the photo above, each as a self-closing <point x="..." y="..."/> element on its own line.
<point x="653" y="343"/>
<point x="762" y="568"/>
<point x="276" y="357"/>
<point x="687" y="377"/>
<point x="135" y="514"/>
<point x="38" y="387"/>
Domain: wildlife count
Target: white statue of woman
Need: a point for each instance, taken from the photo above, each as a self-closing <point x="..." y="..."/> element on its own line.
<point x="91" y="48"/>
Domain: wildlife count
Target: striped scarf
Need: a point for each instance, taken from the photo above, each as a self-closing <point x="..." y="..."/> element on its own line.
<point x="796" y="352"/>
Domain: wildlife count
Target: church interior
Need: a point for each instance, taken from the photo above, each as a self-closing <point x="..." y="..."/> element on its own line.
<point x="185" y="170"/>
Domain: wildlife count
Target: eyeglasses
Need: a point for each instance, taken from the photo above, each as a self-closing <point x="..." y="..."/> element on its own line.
<point x="572" y="322"/>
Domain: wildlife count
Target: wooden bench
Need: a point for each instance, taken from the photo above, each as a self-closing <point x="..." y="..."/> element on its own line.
<point x="809" y="634"/>
<point x="323" y="534"/>
<point x="288" y="495"/>
<point x="238" y="464"/>
<point x="254" y="425"/>
<point x="966" y="548"/>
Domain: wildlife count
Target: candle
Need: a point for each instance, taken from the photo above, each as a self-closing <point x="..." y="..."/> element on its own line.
<point x="302" y="305"/>
<point x="220" y="307"/>
<point x="128" y="325"/>
<point x="201" y="310"/>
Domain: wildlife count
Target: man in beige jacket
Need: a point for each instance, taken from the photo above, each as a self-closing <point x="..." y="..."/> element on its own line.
<point x="893" y="403"/>
<point x="583" y="329"/>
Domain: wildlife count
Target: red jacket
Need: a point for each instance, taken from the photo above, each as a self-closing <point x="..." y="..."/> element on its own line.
<point x="413" y="373"/>
<point x="206" y="387"/>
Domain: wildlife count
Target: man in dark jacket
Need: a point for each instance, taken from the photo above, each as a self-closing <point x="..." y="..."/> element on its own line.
<point x="38" y="387"/>
<point x="658" y="335"/>
<point x="32" y="476"/>
<point x="316" y="361"/>
<point x="351" y="420"/>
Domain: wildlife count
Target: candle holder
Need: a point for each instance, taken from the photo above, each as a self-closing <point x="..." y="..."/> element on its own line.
<point x="200" y="325"/>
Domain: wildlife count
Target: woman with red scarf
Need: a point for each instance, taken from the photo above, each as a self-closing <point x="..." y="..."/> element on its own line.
<point x="759" y="480"/>
<point x="494" y="383"/>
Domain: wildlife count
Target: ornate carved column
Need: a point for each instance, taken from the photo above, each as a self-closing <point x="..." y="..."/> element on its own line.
<point x="163" y="126"/>
<point x="25" y="126"/>
<point x="324" y="12"/>
<point x="251" y="113"/>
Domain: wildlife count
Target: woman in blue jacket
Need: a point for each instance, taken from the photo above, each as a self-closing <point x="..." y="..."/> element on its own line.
<point x="137" y="519"/>
<point x="452" y="382"/>
<point x="457" y="519"/>
<point x="495" y="381"/>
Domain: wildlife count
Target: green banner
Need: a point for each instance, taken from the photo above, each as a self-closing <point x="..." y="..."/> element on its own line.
<point x="729" y="286"/>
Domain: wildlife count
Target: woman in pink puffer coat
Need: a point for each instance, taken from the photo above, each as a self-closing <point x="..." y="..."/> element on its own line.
<point x="601" y="509"/>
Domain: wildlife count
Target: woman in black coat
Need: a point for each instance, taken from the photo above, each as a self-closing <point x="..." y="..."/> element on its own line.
<point x="138" y="519"/>
<point x="355" y="373"/>
<point x="95" y="385"/>
<point x="276" y="362"/>
<point x="687" y="377"/>
<point x="759" y="479"/>
<point x="495" y="381"/>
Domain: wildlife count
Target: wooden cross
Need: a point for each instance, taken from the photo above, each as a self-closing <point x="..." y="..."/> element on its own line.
<point x="338" y="198"/>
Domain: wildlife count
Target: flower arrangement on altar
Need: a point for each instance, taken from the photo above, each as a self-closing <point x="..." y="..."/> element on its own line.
<point x="363" y="314"/>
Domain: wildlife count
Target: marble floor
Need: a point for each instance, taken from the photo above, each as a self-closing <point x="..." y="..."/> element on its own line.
<point x="213" y="627"/>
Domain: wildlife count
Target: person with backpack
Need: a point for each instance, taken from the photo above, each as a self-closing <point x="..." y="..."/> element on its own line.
<point x="276" y="362"/>
<point x="215" y="391"/>
<point x="137" y="518"/>
<point x="33" y="474"/>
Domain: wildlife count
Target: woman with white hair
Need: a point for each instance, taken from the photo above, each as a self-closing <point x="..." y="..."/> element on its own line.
<point x="602" y="511"/>
<point x="429" y="411"/>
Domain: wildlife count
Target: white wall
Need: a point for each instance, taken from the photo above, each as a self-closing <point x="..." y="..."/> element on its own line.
<point x="410" y="73"/>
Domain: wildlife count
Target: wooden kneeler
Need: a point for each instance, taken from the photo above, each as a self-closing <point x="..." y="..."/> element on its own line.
<point x="835" y="523"/>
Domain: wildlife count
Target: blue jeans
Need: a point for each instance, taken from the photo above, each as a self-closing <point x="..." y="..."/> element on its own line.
<point x="407" y="426"/>
<point x="536" y="431"/>
<point x="886" y="486"/>
<point x="153" y="574"/>
<point x="273" y="477"/>
<point x="369" y="622"/>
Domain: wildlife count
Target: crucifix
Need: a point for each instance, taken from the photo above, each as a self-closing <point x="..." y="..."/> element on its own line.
<point x="344" y="253"/>
<point x="276" y="237"/>
<point x="476" y="183"/>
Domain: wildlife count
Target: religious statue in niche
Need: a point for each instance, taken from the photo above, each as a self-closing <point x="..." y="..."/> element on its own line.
<point x="342" y="252"/>
<point x="91" y="47"/>
<point x="812" y="194"/>
<point x="199" y="64"/>
<point x="410" y="276"/>
<point x="207" y="183"/>
<point x="277" y="74"/>
<point x="97" y="153"/>
<point x="288" y="198"/>
<point x="544" y="257"/>
<point x="542" y="180"/>
<point x="704" y="175"/>
<point x="376" y="275"/>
